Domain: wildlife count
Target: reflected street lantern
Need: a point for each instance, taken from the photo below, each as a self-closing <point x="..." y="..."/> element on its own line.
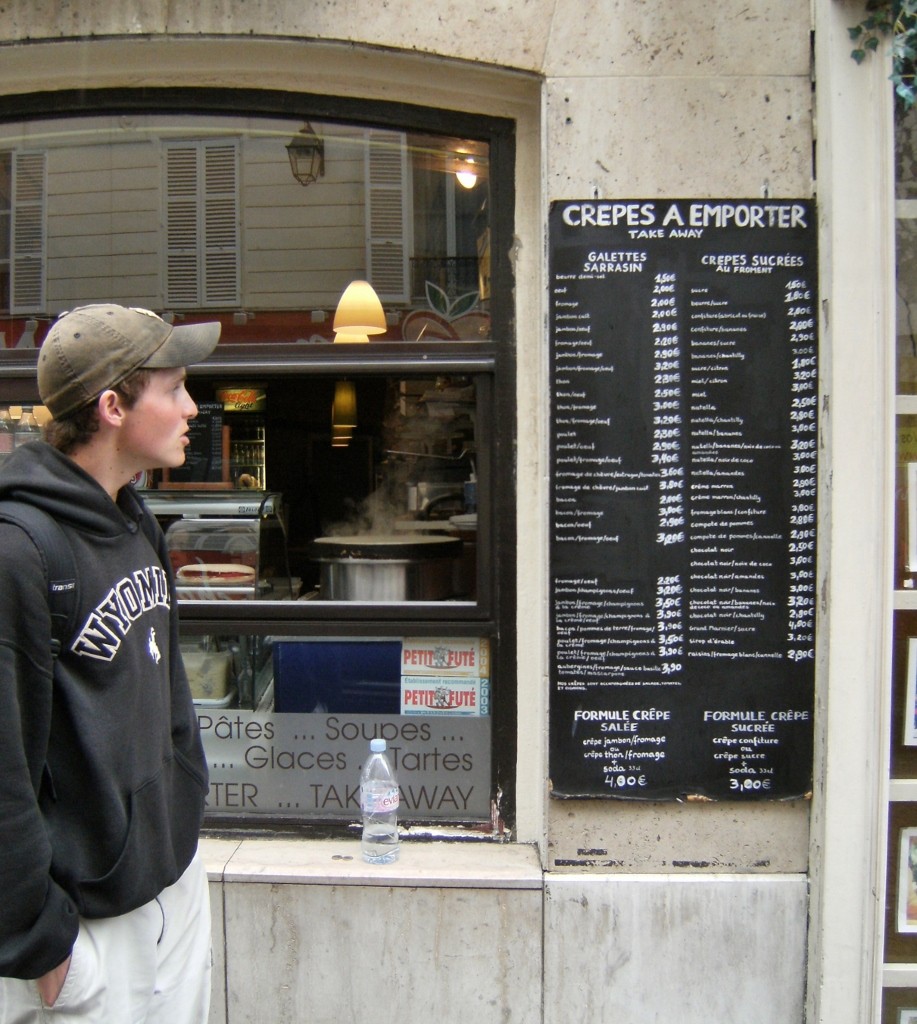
<point x="306" y="151"/>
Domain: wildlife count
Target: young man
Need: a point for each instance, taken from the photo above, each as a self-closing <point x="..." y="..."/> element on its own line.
<point x="104" y="914"/>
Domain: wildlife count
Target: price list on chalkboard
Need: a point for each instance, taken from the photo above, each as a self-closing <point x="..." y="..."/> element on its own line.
<point x="684" y="396"/>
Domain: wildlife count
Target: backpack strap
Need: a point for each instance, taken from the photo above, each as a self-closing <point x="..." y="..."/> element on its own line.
<point x="57" y="561"/>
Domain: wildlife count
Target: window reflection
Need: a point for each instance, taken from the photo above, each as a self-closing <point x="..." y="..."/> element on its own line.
<point x="198" y="216"/>
<point x="286" y="723"/>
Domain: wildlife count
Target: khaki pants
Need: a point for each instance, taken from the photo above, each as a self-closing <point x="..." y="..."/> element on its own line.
<point x="151" y="966"/>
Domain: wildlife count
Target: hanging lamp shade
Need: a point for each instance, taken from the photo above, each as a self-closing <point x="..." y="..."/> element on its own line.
<point x="359" y="313"/>
<point x="344" y="406"/>
<point x="467" y="173"/>
<point x="341" y="437"/>
<point x="345" y="337"/>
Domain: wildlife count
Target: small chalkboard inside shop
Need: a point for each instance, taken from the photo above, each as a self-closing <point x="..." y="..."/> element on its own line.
<point x="206" y="464"/>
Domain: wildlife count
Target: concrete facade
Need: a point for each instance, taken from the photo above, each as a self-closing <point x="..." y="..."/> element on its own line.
<point x="711" y="912"/>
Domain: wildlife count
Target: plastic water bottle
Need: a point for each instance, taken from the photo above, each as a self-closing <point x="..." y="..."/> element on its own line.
<point x="27" y="429"/>
<point x="379" y="799"/>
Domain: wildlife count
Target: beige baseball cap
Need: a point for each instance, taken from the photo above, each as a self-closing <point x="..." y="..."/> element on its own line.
<point x="93" y="348"/>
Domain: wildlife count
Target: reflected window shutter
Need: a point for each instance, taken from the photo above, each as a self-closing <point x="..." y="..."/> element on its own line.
<point x="182" y="279"/>
<point x="220" y="250"/>
<point x="202" y="224"/>
<point x="387" y="226"/>
<point x="27" y="233"/>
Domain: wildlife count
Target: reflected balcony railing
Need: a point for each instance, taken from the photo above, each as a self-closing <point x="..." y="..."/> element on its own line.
<point x="454" y="275"/>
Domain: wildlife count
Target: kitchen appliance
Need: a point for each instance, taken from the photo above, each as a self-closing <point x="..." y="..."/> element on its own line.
<point x="387" y="567"/>
<point x="436" y="499"/>
<point x="229" y="546"/>
<point x="216" y="558"/>
<point x="435" y="484"/>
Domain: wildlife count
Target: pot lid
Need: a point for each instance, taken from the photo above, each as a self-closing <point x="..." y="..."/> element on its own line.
<point x="387" y="545"/>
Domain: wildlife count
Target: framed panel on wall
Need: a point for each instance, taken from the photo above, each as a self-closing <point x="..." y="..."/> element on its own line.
<point x="903" y="724"/>
<point x="906" y="880"/>
<point x="899" y="1006"/>
<point x="901" y="885"/>
<point x="909" y="710"/>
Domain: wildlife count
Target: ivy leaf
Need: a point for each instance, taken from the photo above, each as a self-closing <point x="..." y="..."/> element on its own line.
<point x="898" y="18"/>
<point x="906" y="93"/>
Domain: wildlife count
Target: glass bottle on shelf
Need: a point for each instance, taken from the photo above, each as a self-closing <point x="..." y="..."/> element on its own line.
<point x="247" y="452"/>
<point x="27" y="428"/>
<point x="6" y="434"/>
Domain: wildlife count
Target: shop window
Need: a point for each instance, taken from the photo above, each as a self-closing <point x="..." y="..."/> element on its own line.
<point x="309" y="708"/>
<point x="342" y="531"/>
<point x="270" y="508"/>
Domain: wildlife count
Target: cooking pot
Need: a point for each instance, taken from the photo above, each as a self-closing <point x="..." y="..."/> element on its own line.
<point x="387" y="567"/>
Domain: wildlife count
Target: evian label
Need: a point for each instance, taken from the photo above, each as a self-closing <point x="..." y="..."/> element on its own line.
<point x="379" y="798"/>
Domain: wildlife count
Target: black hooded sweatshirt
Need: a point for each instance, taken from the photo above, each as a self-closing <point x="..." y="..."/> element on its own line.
<point x="102" y="773"/>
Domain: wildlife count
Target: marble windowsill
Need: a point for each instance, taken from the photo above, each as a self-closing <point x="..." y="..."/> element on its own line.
<point x="338" y="862"/>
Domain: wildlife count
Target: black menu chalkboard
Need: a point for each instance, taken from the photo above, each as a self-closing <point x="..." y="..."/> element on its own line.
<point x="683" y="498"/>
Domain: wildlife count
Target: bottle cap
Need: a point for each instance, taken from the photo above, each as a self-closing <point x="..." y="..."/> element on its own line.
<point x="377" y="746"/>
